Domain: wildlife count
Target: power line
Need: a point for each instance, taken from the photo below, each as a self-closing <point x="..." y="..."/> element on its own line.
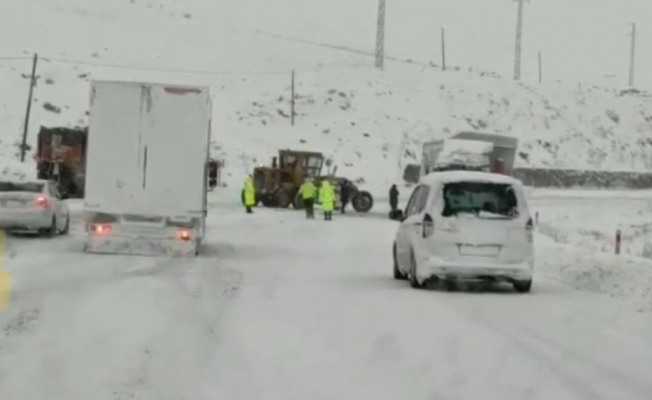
<point x="153" y="69"/>
<point x="15" y="58"/>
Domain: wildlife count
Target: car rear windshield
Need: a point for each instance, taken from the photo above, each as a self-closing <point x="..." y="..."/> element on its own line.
<point x="483" y="199"/>
<point x="31" y="187"/>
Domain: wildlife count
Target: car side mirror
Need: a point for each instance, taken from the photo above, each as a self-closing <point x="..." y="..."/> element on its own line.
<point x="397" y="215"/>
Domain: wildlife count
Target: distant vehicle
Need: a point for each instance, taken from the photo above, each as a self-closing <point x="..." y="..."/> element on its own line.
<point x="466" y="225"/>
<point x="61" y="157"/>
<point x="471" y="151"/>
<point x="146" y="170"/>
<point x="278" y="185"/>
<point x="34" y="205"/>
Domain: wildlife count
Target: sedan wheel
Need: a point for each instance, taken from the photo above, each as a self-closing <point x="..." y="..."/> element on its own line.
<point x="66" y="227"/>
<point x="412" y="275"/>
<point x="398" y="275"/>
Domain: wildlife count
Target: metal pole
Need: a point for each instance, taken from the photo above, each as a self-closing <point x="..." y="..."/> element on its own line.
<point x="32" y="83"/>
<point x="292" y="101"/>
<point x="519" y="36"/>
<point x="632" y="57"/>
<point x="443" y="49"/>
<point x="380" y="35"/>
<point x="540" y="69"/>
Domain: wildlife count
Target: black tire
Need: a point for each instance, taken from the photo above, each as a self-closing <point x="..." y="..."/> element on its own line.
<point x="66" y="228"/>
<point x="268" y="201"/>
<point x="52" y="230"/>
<point x="362" y="202"/>
<point x="412" y="277"/>
<point x="398" y="275"/>
<point x="283" y="199"/>
<point x="451" y="285"/>
<point x="523" y="286"/>
<point x="298" y="202"/>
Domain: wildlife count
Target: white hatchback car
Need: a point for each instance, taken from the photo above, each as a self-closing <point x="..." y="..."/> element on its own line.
<point x="466" y="225"/>
<point x="34" y="205"/>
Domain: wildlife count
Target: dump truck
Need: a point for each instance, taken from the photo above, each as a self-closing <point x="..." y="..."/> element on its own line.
<point x="147" y="167"/>
<point x="470" y="150"/>
<point x="278" y="185"/>
<point x="61" y="157"/>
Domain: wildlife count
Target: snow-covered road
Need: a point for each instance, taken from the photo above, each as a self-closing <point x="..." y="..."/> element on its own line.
<point x="283" y="308"/>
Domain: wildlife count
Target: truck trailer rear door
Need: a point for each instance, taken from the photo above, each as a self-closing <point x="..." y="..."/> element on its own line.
<point x="176" y="128"/>
<point x="114" y="162"/>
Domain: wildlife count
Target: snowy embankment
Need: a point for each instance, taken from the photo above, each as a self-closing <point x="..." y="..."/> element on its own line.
<point x="579" y="228"/>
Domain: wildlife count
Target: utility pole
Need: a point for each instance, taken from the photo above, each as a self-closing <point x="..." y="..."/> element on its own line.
<point x="632" y="56"/>
<point x="292" y="101"/>
<point x="519" y="36"/>
<point x="32" y="83"/>
<point x="540" y="69"/>
<point x="443" y="49"/>
<point x="380" y="35"/>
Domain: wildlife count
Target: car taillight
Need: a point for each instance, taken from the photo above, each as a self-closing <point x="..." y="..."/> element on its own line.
<point x="428" y="226"/>
<point x="529" y="230"/>
<point x="42" y="202"/>
<point x="100" y="229"/>
<point x="183" y="234"/>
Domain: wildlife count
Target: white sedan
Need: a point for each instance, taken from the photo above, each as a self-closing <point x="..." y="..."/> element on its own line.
<point x="33" y="205"/>
<point x="466" y="225"/>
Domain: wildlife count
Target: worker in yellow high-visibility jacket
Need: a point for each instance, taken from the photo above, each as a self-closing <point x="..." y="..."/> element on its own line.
<point x="308" y="193"/>
<point x="327" y="199"/>
<point x="249" y="194"/>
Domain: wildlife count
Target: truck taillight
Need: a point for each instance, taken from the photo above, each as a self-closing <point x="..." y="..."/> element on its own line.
<point x="529" y="230"/>
<point x="100" y="229"/>
<point x="42" y="202"/>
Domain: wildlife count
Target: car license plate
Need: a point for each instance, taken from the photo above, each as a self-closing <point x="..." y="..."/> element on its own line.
<point x="480" y="250"/>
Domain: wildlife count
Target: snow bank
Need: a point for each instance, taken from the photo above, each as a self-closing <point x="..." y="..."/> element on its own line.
<point x="592" y="225"/>
<point x="624" y="277"/>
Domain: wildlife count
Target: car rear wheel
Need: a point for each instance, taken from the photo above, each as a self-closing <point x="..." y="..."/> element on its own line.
<point x="412" y="275"/>
<point x="52" y="230"/>
<point x="523" y="286"/>
<point x="398" y="275"/>
<point x="66" y="227"/>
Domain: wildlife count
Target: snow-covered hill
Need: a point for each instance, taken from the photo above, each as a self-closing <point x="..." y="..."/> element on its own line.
<point x="371" y="123"/>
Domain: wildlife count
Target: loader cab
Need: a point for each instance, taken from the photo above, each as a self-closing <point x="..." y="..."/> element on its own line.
<point x="298" y="165"/>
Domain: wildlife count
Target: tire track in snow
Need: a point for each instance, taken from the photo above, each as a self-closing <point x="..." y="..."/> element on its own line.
<point x="585" y="377"/>
<point x="202" y="287"/>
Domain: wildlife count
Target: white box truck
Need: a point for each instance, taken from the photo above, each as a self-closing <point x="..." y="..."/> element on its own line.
<point x="147" y="157"/>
